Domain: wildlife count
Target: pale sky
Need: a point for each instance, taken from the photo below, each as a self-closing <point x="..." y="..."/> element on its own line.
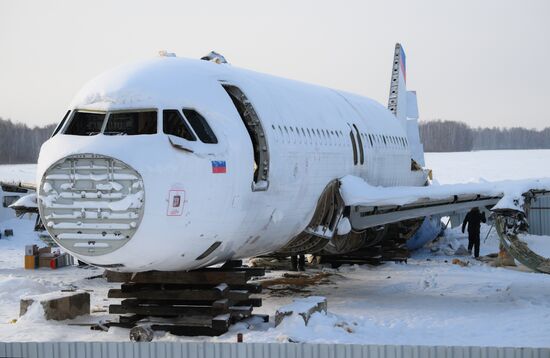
<point x="480" y="62"/>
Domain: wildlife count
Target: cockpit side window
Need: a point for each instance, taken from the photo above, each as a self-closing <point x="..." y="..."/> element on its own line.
<point x="174" y="124"/>
<point x="61" y="124"/>
<point x="200" y="126"/>
<point x="131" y="123"/>
<point x="86" y="123"/>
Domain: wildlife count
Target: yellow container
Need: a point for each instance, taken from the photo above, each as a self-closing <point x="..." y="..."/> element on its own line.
<point x="30" y="262"/>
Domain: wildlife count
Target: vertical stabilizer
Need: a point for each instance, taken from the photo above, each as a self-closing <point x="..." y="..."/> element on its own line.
<point x="403" y="104"/>
<point x="397" y="103"/>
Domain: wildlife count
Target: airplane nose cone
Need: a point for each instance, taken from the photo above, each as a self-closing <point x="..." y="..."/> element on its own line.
<point x="91" y="204"/>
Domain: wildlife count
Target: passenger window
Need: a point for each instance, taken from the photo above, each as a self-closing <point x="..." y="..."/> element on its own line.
<point x="86" y="123"/>
<point x="132" y="123"/>
<point x="201" y="127"/>
<point x="60" y="125"/>
<point x="174" y="124"/>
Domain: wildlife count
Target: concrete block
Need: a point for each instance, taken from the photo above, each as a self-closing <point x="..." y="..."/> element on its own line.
<point x="59" y="306"/>
<point x="303" y="307"/>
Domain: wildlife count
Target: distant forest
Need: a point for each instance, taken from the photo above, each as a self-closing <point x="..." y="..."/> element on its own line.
<point x="20" y="144"/>
<point x="449" y="136"/>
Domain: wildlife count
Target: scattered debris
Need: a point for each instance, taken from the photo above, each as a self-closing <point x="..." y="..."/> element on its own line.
<point x="142" y="334"/>
<point x="460" y="262"/>
<point x="503" y="258"/>
<point x="270" y="263"/>
<point x="303" y="307"/>
<point x="298" y="279"/>
<point x="94" y="277"/>
<point x="346" y="327"/>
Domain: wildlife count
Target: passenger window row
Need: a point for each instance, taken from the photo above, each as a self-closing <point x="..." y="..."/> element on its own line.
<point x="308" y="135"/>
<point x="336" y="137"/>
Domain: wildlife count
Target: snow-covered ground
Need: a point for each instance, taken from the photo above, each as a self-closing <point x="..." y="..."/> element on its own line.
<point x="428" y="301"/>
<point x="491" y="165"/>
<point x="25" y="173"/>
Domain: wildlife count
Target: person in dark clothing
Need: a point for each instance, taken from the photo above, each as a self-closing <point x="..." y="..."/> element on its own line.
<point x="473" y="219"/>
<point x="298" y="262"/>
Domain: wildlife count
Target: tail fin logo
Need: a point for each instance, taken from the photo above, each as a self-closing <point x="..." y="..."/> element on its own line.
<point x="403" y="63"/>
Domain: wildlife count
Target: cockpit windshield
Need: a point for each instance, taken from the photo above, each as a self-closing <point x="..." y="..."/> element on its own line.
<point x="131" y="123"/>
<point x="84" y="123"/>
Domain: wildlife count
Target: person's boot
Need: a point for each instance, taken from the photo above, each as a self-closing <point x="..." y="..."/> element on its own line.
<point x="294" y="263"/>
<point x="302" y="262"/>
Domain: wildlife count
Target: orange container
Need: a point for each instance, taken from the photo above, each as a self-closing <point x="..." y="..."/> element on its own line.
<point x="30" y="262"/>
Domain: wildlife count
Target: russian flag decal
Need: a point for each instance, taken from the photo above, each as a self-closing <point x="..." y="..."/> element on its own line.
<point x="219" y="167"/>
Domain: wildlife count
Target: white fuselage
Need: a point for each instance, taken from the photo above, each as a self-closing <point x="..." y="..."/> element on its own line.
<point x="307" y="129"/>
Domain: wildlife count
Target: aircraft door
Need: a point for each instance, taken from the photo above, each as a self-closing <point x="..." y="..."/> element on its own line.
<point x="253" y="124"/>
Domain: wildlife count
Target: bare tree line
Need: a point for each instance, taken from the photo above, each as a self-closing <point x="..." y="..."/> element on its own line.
<point x="450" y="136"/>
<point x="19" y="143"/>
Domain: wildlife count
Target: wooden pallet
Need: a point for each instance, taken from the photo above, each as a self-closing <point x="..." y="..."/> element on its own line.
<point x="200" y="302"/>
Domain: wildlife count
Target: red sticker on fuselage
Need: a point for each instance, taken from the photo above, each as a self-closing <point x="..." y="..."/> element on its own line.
<point x="176" y="199"/>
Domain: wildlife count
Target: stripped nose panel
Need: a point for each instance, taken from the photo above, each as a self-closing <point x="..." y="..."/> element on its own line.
<point x="91" y="204"/>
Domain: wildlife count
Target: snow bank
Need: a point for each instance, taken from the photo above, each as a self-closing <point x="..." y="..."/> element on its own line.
<point x="35" y="313"/>
<point x="13" y="288"/>
<point x="25" y="173"/>
<point x="356" y="191"/>
<point x="488" y="165"/>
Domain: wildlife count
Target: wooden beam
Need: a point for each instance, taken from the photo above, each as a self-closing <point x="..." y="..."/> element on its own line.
<point x="188" y="295"/>
<point x="151" y="310"/>
<point x="177" y="277"/>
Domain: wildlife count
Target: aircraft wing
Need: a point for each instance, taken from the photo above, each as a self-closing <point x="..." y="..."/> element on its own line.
<point x="25" y="204"/>
<point x="17" y="187"/>
<point x="373" y="206"/>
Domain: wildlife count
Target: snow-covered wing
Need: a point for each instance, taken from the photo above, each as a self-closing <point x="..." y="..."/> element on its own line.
<point x="382" y="205"/>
